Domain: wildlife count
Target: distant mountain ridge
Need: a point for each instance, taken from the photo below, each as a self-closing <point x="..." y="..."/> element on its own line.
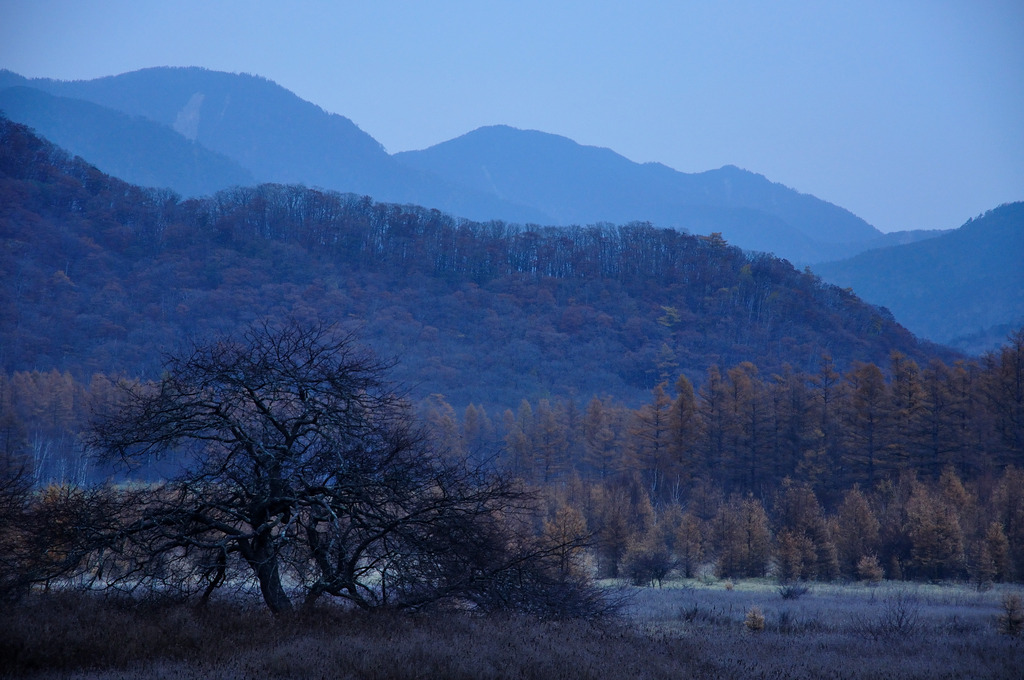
<point x="964" y="288"/>
<point x="198" y="131"/>
<point x="149" y="153"/>
<point x="270" y="132"/>
<point x="529" y="177"/>
<point x="578" y="184"/>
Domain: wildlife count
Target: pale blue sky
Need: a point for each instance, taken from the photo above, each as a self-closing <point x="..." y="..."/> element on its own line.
<point x="908" y="113"/>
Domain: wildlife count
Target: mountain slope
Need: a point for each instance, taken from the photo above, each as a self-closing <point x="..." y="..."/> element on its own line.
<point x="273" y="134"/>
<point x="98" y="275"/>
<point x="964" y="288"/>
<point x="581" y="184"/>
<point x="492" y="173"/>
<point x="146" y="153"/>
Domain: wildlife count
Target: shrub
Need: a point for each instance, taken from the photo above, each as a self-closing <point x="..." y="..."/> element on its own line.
<point x="648" y="562"/>
<point x="754" y="620"/>
<point x="793" y="591"/>
<point x="900" y="618"/>
<point x="1011" y="621"/>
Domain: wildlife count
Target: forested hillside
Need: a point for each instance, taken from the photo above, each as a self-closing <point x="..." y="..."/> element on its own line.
<point x="100" y="276"/>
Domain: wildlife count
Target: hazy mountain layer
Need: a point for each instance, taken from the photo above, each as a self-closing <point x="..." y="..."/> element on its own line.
<point x="146" y="153"/>
<point x="580" y="185"/>
<point x="964" y="288"/>
<point x="492" y="173"/>
<point x="273" y="134"/>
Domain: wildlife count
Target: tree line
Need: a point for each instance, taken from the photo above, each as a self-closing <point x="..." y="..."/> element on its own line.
<point x="903" y="473"/>
<point x="906" y="473"/>
<point x="747" y="432"/>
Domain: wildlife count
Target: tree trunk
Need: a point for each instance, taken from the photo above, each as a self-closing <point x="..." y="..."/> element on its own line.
<point x="268" y="572"/>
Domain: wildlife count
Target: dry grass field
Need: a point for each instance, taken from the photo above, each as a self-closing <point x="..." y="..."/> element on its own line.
<point x="688" y="629"/>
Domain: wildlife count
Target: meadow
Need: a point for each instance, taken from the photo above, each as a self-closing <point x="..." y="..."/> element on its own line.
<point x="693" y="628"/>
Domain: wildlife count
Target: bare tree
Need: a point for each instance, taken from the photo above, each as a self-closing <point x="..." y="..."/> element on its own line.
<point x="306" y="474"/>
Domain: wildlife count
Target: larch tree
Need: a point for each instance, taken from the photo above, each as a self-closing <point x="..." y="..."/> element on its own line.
<point x="803" y="529"/>
<point x="601" y="425"/>
<point x="856" y="532"/>
<point x="684" y="432"/>
<point x="650" y="446"/>
<point x="868" y="420"/>
<point x="908" y="400"/>
<point x="550" y="442"/>
<point x="936" y="537"/>
<point x="742" y="538"/>
<point x="748" y="426"/>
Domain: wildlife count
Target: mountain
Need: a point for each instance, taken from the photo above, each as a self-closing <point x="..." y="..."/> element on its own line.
<point x="147" y="153"/>
<point x="97" y="275"/>
<point x="578" y="184"/>
<point x="272" y="133"/>
<point x="964" y="288"/>
<point x="491" y="173"/>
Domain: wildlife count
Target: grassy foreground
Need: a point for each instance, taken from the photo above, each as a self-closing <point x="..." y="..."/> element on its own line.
<point x="695" y="630"/>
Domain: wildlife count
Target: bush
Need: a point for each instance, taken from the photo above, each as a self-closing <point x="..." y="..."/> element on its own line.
<point x="793" y="591"/>
<point x="900" y="618"/>
<point x="647" y="562"/>
<point x="1011" y="621"/>
<point x="754" y="620"/>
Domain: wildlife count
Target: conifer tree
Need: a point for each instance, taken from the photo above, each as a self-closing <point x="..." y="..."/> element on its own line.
<point x="518" y="449"/>
<point x="936" y="538"/>
<point x="440" y="418"/>
<point x="600" y="452"/>
<point x="622" y="513"/>
<point x="477" y="432"/>
<point x="998" y="548"/>
<point x="941" y="442"/>
<point x="1004" y="393"/>
<point x="856" y="531"/>
<point x="812" y="554"/>
<point x="650" y="446"/>
<point x="712" y="408"/>
<point x="748" y="426"/>
<point x="867" y="425"/>
<point x="823" y="461"/>
<point x="794" y="450"/>
<point x="684" y="430"/>
<point x="743" y="538"/>
<point x="1008" y="510"/>
<point x="908" y="411"/>
<point x="568" y="531"/>
<point x="690" y="544"/>
<point x="550" y="443"/>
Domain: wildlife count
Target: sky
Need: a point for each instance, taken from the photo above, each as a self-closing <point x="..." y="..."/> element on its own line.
<point x="908" y="113"/>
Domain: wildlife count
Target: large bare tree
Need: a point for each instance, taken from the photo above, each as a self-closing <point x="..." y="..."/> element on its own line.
<point x="302" y="471"/>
